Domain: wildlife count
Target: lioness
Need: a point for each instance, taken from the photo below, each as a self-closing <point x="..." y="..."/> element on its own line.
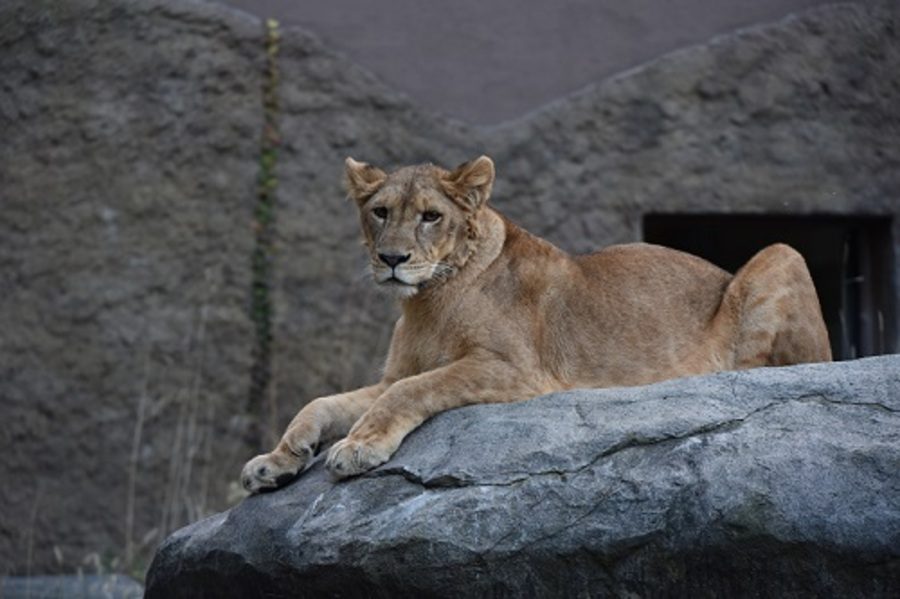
<point x="492" y="313"/>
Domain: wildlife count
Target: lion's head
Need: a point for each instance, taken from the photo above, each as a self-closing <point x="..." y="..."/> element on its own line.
<point x="419" y="222"/>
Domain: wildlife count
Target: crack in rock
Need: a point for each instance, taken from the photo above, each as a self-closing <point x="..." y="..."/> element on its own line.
<point x="455" y="481"/>
<point x="451" y="481"/>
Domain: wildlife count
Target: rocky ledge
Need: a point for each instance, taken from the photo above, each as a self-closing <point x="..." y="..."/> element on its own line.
<point x="772" y="482"/>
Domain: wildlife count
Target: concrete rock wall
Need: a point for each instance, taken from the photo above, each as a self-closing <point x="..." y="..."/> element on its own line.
<point x="795" y="117"/>
<point x="127" y="175"/>
<point x="127" y="180"/>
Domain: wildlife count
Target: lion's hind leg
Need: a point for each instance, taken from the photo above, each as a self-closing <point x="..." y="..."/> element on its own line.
<point x="774" y="312"/>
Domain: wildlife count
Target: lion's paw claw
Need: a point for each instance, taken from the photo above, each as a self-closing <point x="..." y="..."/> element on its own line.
<point x="349" y="458"/>
<point x="270" y="471"/>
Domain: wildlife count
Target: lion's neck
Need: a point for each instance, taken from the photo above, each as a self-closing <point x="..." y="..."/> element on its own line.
<point x="482" y="251"/>
<point x="486" y="246"/>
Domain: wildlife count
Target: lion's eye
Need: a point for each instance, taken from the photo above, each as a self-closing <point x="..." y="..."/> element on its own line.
<point x="380" y="212"/>
<point x="430" y="216"/>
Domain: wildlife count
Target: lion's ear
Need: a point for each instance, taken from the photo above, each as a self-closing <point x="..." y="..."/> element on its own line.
<point x="362" y="180"/>
<point x="470" y="183"/>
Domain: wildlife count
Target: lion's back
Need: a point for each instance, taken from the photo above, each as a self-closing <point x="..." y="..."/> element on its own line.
<point x="655" y="284"/>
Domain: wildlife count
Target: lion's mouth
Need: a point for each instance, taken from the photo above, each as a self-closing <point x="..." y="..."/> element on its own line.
<point x="392" y="277"/>
<point x="395" y="282"/>
<point x="399" y="287"/>
<point x="398" y="282"/>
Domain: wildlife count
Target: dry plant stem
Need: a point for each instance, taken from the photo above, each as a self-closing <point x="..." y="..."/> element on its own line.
<point x="32" y="523"/>
<point x="187" y="439"/>
<point x="133" y="462"/>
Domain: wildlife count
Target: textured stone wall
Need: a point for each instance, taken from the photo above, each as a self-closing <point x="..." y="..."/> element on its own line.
<point x="796" y="117"/>
<point x="127" y="176"/>
<point x="127" y="167"/>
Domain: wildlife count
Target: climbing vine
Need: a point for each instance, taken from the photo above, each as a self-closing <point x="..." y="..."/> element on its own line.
<point x="264" y="224"/>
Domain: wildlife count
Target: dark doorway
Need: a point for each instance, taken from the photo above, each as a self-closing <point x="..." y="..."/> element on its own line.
<point x="849" y="259"/>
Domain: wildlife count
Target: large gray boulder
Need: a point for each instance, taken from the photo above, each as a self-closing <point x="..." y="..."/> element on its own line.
<point x="773" y="482"/>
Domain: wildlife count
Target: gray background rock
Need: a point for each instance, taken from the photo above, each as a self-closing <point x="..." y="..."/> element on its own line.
<point x="127" y="168"/>
<point x="128" y="162"/>
<point x="771" y="482"/>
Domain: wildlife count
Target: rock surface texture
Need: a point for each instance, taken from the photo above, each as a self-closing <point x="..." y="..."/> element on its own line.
<point x="772" y="482"/>
<point x="128" y="165"/>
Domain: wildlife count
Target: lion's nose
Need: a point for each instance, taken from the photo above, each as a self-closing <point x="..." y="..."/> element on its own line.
<point x="393" y="260"/>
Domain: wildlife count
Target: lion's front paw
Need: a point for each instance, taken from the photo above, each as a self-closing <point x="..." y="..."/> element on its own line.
<point x="271" y="470"/>
<point x="349" y="457"/>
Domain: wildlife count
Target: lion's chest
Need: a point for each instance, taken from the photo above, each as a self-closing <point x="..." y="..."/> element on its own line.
<point x="434" y="348"/>
<point x="435" y="342"/>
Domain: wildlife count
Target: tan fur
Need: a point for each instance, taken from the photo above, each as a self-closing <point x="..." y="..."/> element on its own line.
<point x="492" y="313"/>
